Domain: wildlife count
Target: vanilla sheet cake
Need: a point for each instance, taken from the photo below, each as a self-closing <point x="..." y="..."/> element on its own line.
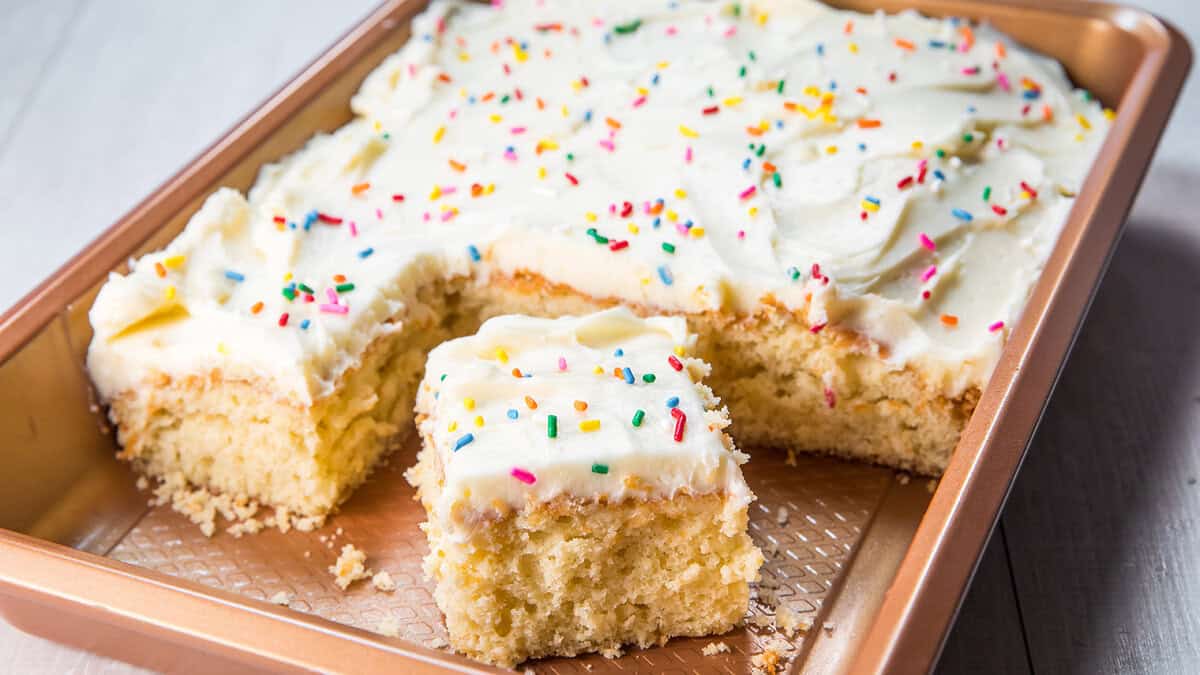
<point x="581" y="491"/>
<point x="849" y="211"/>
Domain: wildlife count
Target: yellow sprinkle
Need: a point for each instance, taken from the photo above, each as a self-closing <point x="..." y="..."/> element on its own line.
<point x="642" y="91"/>
<point x="590" y="216"/>
<point x="501" y="355"/>
<point x="565" y="111"/>
<point x="519" y="53"/>
<point x="1083" y="122"/>
<point x="541" y="172"/>
<point x="1025" y="194"/>
<point x="732" y="101"/>
<point x="435" y="193"/>
<point x="1109" y="113"/>
<point x="496" y="119"/>
<point x="489" y="189"/>
<point x="687" y="131"/>
<point x="598" y="370"/>
<point x="1079" y="138"/>
<point x="917" y="145"/>
<point x="671" y="215"/>
<point x="453" y="427"/>
<point x="663" y="64"/>
<point x="437" y="135"/>
<point x="753" y="211"/>
<point x="479" y="420"/>
<point x="464" y="57"/>
<point x="633" y="229"/>
<point x="832" y="150"/>
<point x="469" y="403"/>
<point x="645" y="281"/>
<point x="287" y="277"/>
<point x="810" y="90"/>
<point x="869" y="206"/>
<point x="679" y="350"/>
<point x="546" y="144"/>
<point x="169" y="293"/>
<point x="378" y="125"/>
<point x="222" y="348"/>
<point x="589" y="425"/>
<point x="762" y="18"/>
<point x="175" y="261"/>
<point x="853" y="47"/>
<point x="697" y="232"/>
<point x="577" y="86"/>
<point x="681" y="193"/>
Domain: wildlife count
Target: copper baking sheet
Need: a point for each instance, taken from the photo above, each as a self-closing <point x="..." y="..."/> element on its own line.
<point x="878" y="564"/>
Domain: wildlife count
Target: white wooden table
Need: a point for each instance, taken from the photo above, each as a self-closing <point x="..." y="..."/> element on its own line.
<point x="1096" y="565"/>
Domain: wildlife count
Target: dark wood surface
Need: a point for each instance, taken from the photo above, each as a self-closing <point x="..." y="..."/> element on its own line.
<point x="1096" y="564"/>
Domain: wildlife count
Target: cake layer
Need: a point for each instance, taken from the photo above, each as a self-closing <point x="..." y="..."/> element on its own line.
<point x="580" y="489"/>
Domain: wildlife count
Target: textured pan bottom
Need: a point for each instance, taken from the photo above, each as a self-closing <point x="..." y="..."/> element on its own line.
<point x="809" y="520"/>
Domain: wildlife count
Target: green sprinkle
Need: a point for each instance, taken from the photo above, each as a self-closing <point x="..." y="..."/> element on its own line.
<point x="387" y="136"/>
<point x="778" y="181"/>
<point x="940" y="152"/>
<point x="967" y="138"/>
<point x="600" y="468"/>
<point x="742" y="71"/>
<point x="779" y="87"/>
<point x="306" y="289"/>
<point x="570" y="157"/>
<point x="442" y="378"/>
<point x="761" y="149"/>
<point x="987" y="193"/>
<point x="344" y="288"/>
<point x="628" y="28"/>
<point x="737" y="9"/>
<point x="711" y="93"/>
<point x="638" y="417"/>
<point x="752" y="56"/>
<point x="505" y="98"/>
<point x="794" y="272"/>
<point x="649" y="378"/>
<point x="289" y="293"/>
<point x="551" y="426"/>
<point x="668" y="247"/>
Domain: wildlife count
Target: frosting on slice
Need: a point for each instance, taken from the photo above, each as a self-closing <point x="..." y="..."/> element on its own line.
<point x="604" y="405"/>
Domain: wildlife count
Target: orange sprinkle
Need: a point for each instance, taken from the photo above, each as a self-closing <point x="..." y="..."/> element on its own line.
<point x="869" y="124"/>
<point x="968" y="36"/>
<point x="617" y="373"/>
<point x="516" y="372"/>
<point x="488" y="96"/>
<point x="581" y="405"/>
<point x="754" y="131"/>
<point x="339" y="278"/>
<point x="849" y="28"/>
<point x="360" y="188"/>
<point x="160" y="270"/>
<point x="445" y="78"/>
<point x="476" y="189"/>
<point x="791" y="105"/>
<point x="256" y="307"/>
<point x="612" y="123"/>
<point x="1047" y="113"/>
<point x="457" y="166"/>
<point x="540" y="103"/>
<point x="1001" y="50"/>
<point x="906" y="45"/>
<point x="768" y="167"/>
<point x="531" y="403"/>
<point x="949" y="319"/>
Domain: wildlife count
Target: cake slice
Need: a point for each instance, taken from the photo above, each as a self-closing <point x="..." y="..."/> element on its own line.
<point x="580" y="489"/>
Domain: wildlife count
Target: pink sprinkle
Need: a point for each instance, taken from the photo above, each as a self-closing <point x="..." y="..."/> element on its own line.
<point x="927" y="242"/>
<point x="741" y="234"/>
<point x="562" y="363"/>
<point x="612" y="208"/>
<point x="523" y="476"/>
<point x="928" y="274"/>
<point x="817" y="328"/>
<point x="671" y="30"/>
<point x="748" y="192"/>
<point x="447" y="215"/>
<point x="332" y="295"/>
<point x="334" y="309"/>
<point x="996" y="326"/>
<point x="731" y="31"/>
<point x="454" y="113"/>
<point x="518" y="130"/>
<point x="922" y="165"/>
<point x="425" y="216"/>
<point x="687" y="156"/>
<point x="1002" y="80"/>
<point x="379" y="214"/>
<point x="646" y="207"/>
<point x="608" y="145"/>
<point x="412" y="70"/>
<point x="510" y="155"/>
<point x="637" y="102"/>
<point x="353" y="229"/>
<point x="449" y="190"/>
<point x="681" y="228"/>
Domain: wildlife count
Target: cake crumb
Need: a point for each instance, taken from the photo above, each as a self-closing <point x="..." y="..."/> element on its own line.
<point x="932" y="485"/>
<point x="282" y="598"/>
<point x="142" y="484"/>
<point x="714" y="648"/>
<point x="903" y="478"/>
<point x="612" y="652"/>
<point x="789" y="623"/>
<point x="781" y="516"/>
<point x="437" y="643"/>
<point x="383" y="582"/>
<point x="248" y="526"/>
<point x="829" y="626"/>
<point x="349" y="567"/>
<point x="388" y="626"/>
<point x="791" y="458"/>
<point x="774" y="655"/>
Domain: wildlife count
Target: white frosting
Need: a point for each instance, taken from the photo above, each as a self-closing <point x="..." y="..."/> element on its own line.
<point x="597" y="451"/>
<point x="512" y="131"/>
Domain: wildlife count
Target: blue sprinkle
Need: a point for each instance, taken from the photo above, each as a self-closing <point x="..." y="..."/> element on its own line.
<point x="862" y="147"/>
<point x="607" y="38"/>
<point x="510" y="149"/>
<point x="665" y="275"/>
<point x="427" y="37"/>
<point x="657" y="223"/>
<point x="619" y="352"/>
<point x="366" y="252"/>
<point x="778" y="124"/>
<point x="873" y="200"/>
<point x="688" y="224"/>
<point x="307" y="226"/>
<point x="471" y="99"/>
<point x="963" y="215"/>
<point x="513" y="414"/>
<point x="746" y="164"/>
<point x="654" y="80"/>
<point x="971" y="110"/>
<point x="292" y="225"/>
<point x="833" y="85"/>
<point x="474" y="252"/>
<point x="1031" y="94"/>
<point x="463" y="442"/>
<point x="436" y="395"/>
<point x="673" y="402"/>
<point x="235" y="276"/>
<point x="937" y="173"/>
<point x="305" y="324"/>
<point x="310" y="218"/>
<point x="628" y="375"/>
<point x="587" y="116"/>
<point x="820" y="49"/>
<point x="937" y="44"/>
